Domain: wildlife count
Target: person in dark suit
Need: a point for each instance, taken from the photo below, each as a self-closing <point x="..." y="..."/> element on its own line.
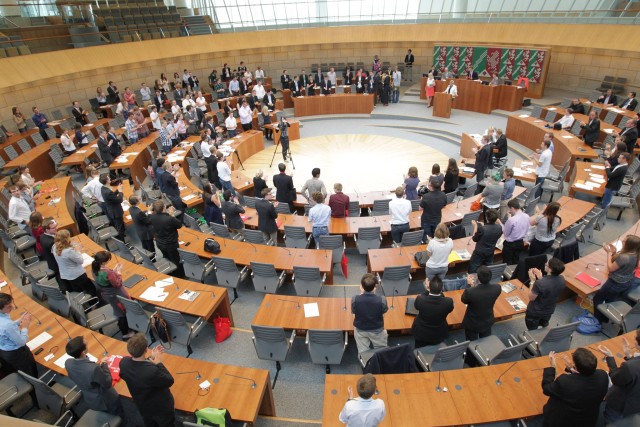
<point x="149" y="383"/>
<point x="347" y="77"/>
<point x="615" y="178"/>
<point x="269" y="100"/>
<point x="296" y="87"/>
<point x="486" y="238"/>
<point x="114" y="142"/>
<point x="575" y="396"/>
<point x="113" y="203"/>
<point x="286" y="192"/>
<point x="326" y="86"/>
<point x="591" y="129"/>
<point x="623" y="399"/>
<point x="166" y="227"/>
<point x="46" y="241"/>
<point x="232" y="211"/>
<point x="630" y="134"/>
<point x="267" y="216"/>
<point x="160" y="100"/>
<point x="79" y="113"/>
<point x="178" y="94"/>
<point x="360" y="82"/>
<point x="577" y="106"/>
<point x="93" y="379"/>
<point x="170" y="185"/>
<point x="608" y="98"/>
<point x="104" y="148"/>
<point x="500" y="148"/>
<point x="480" y="299"/>
<point x="430" y="326"/>
<point x="471" y="74"/>
<point x="304" y="79"/>
<point x="142" y="224"/>
<point x="630" y="103"/>
<point x="113" y="96"/>
<point x="254" y="101"/>
<point x="285" y="80"/>
<point x="311" y="84"/>
<point x="482" y="162"/>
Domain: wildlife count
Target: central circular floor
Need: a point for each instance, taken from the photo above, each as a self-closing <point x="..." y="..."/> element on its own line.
<point x="360" y="162"/>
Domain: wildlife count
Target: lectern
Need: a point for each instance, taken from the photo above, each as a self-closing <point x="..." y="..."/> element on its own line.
<point x="442" y="105"/>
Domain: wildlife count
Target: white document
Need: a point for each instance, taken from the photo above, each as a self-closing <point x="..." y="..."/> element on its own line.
<point x="189" y="197"/>
<point x="3" y="284"/>
<point x="597" y="167"/>
<point x="552" y="108"/>
<point x="154" y="294"/>
<point x="204" y="385"/>
<point x="86" y="260"/>
<point x="523" y="115"/>
<point x="311" y="310"/>
<point x="164" y="282"/>
<point x="567" y="136"/>
<point x="608" y="131"/>
<point x="39" y="340"/>
<point x="81" y="151"/>
<point x="65" y="356"/>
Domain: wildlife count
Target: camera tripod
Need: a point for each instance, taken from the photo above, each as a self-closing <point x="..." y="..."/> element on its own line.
<point x="275" y="150"/>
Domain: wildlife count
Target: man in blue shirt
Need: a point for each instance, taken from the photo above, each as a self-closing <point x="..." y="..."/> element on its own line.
<point x="40" y="120"/>
<point x="319" y="216"/>
<point x="14" y="334"/>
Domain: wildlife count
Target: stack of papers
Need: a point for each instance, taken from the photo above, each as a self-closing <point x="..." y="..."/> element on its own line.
<point x="189" y="197"/>
<point x="164" y="282"/>
<point x="153" y="293"/>
<point x="517" y="303"/>
<point x="311" y="310"/>
<point x="508" y="287"/>
<point x="608" y="130"/>
<point x="468" y="170"/>
<point x="39" y="340"/>
<point x="86" y="260"/>
<point x="188" y="295"/>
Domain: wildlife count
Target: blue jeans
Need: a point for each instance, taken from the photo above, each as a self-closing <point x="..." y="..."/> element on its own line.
<point x="607" y="197"/>
<point x="226" y="185"/>
<point x="231" y="133"/>
<point x="429" y="228"/>
<point x="395" y="95"/>
<point x="539" y="180"/>
<point x="610" y="291"/>
<point x="317" y="232"/>
<point x="397" y="230"/>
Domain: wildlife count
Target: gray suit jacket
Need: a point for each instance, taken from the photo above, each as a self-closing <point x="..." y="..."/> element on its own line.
<point x="95" y="382"/>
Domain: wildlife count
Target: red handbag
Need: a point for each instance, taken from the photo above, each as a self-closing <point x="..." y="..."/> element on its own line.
<point x="223" y="328"/>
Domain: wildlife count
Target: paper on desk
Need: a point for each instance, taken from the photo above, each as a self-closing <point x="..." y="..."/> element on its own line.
<point x="524" y="115"/>
<point x="608" y="130"/>
<point x="125" y="205"/>
<point x="164" y="282"/>
<point x="86" y="260"/>
<point x="122" y="160"/>
<point x="552" y="108"/>
<point x="3" y="284"/>
<point x="567" y="136"/>
<point x="311" y="310"/>
<point x="538" y="121"/>
<point x="189" y="197"/>
<point x="526" y="164"/>
<point x="584" y="187"/>
<point x="94" y="146"/>
<point x="154" y="294"/>
<point x="205" y="384"/>
<point x="178" y="152"/>
<point x="39" y="340"/>
<point x="597" y="167"/>
<point x="81" y="151"/>
<point x="65" y="356"/>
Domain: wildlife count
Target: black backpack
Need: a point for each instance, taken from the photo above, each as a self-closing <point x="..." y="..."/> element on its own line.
<point x="159" y="328"/>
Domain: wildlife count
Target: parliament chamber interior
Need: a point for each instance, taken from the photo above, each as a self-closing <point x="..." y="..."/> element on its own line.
<point x="332" y="212"/>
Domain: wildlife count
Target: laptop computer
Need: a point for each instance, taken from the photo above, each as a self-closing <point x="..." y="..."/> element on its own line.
<point x="410" y="309"/>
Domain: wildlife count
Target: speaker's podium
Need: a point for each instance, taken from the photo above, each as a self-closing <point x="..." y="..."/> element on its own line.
<point x="442" y="104"/>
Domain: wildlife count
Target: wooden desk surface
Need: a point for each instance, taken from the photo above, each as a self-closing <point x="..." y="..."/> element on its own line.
<point x="620" y="113"/>
<point x="234" y="394"/>
<point x="586" y="264"/>
<point x="288" y="311"/>
<point x="351" y="103"/>
<point x="61" y="211"/>
<point x="473" y="396"/>
<point x="214" y="300"/>
<point x="605" y="128"/>
<point x="243" y="253"/>
<point x="583" y="172"/>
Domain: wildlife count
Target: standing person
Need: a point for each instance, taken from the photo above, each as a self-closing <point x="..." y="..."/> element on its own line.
<point x="113" y="203"/>
<point x="591" y="129"/>
<point x="486" y="238"/>
<point x="399" y="209"/>
<point x="109" y="284"/>
<point x="68" y="256"/>
<point x="363" y="410"/>
<point x="313" y="185"/>
<point x="338" y="202"/>
<point x="386" y="88"/>
<point x="285" y="191"/>
<point x="543" y="164"/>
<point x="623" y="399"/>
<point x="231" y="125"/>
<point x="266" y="120"/>
<point x="283" y="128"/>
<point x="492" y="193"/>
<point x="480" y="299"/>
<point x="544" y="293"/>
<point x="432" y="204"/>
<point x="47" y="240"/>
<point x="14" y="334"/>
<point x="166" y="234"/>
<point x="19" y="120"/>
<point x="620" y="269"/>
<point x="430" y="89"/>
<point x="19" y="210"/>
<point x="149" y="383"/>
<point x="232" y="211"/>
<point x="408" y="64"/>
<point x="369" y="309"/>
<point x="319" y="216"/>
<point x="430" y="326"/>
<point x="411" y="182"/>
<point x="483" y="160"/>
<point x="142" y="224"/>
<point x="93" y="379"/>
<point x="514" y="230"/>
<point x="438" y="250"/>
<point x="615" y="178"/>
<point x="224" y="172"/>
<point x="452" y="89"/>
<point x="246" y="116"/>
<point x="212" y="204"/>
<point x="267" y="216"/>
<point x="259" y="182"/>
<point x="40" y="120"/>
<point x="576" y="395"/>
<point x="451" y="176"/>
<point x="507" y="192"/>
<point x="547" y="224"/>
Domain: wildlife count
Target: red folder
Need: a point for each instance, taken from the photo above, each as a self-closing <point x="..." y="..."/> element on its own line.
<point x="588" y="280"/>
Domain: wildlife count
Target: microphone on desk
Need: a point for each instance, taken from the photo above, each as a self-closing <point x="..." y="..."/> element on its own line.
<point x="344" y="292"/>
<point x="198" y="376"/>
<point x="253" y="383"/>
<point x="11" y="293"/>
<point x="395" y="291"/>
<point x="498" y="382"/>
<point x="63" y="328"/>
<point x="34" y="316"/>
<point x="101" y="345"/>
<point x="255" y="249"/>
<point x="438" y="388"/>
<point x="593" y="264"/>
<point x="192" y="234"/>
<point x="400" y="247"/>
<point x="288" y="300"/>
<point x="213" y="294"/>
<point x="288" y="251"/>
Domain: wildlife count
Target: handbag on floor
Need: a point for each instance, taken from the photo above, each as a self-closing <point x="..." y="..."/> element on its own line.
<point x="223" y="328"/>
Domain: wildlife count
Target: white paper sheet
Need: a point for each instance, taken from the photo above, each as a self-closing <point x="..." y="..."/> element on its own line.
<point x="39" y="340"/>
<point x="154" y="294"/>
<point x="311" y="310"/>
<point x="164" y="282"/>
<point x="86" y="260"/>
<point x="65" y="356"/>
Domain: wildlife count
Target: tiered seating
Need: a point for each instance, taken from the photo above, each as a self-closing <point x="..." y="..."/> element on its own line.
<point x="135" y="21"/>
<point x="12" y="46"/>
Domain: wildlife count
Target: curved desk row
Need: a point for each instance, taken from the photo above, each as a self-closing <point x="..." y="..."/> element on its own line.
<point x="237" y="395"/>
<point x="473" y="396"/>
<point x="605" y="128"/>
<point x="350" y="103"/>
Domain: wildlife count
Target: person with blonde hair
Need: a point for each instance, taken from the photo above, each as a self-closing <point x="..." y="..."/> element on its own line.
<point x="259" y="182"/>
<point x="438" y="250"/>
<point x="69" y="258"/>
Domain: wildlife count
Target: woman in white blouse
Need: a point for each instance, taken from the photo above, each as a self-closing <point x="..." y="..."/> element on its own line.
<point x="67" y="143"/>
<point x="438" y="250"/>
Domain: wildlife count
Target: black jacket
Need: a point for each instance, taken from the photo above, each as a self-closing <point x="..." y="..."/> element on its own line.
<point x="574" y="399"/>
<point x="113" y="202"/>
<point x="160" y="102"/>
<point x="47" y="241"/>
<point x="266" y="216"/>
<point x="105" y="151"/>
<point x="500" y="147"/>
<point x="480" y="300"/>
<point x="591" y="131"/>
<point x="633" y="103"/>
<point x="326" y="87"/>
<point x="630" y="136"/>
<point x="149" y="386"/>
<point x="430" y="325"/>
<point x="269" y="100"/>
<point x="624" y="396"/>
<point x="284" y="186"/>
<point x="142" y="222"/>
<point x="486" y="238"/>
<point x="615" y="177"/>
<point x="232" y="213"/>
<point x="166" y="229"/>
